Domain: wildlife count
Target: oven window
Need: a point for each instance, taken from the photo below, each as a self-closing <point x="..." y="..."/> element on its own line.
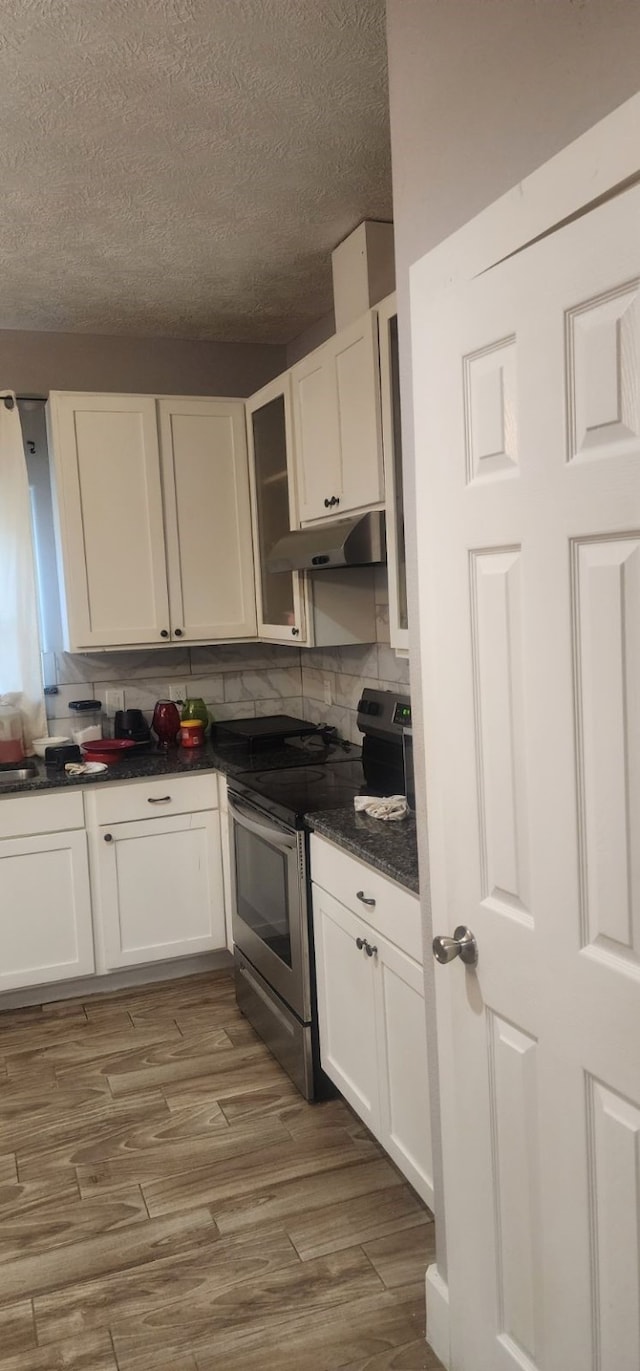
<point x="262" y="891"/>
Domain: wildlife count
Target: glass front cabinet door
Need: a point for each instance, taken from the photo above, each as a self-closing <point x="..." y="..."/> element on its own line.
<point x="392" y="448"/>
<point x="279" y="595"/>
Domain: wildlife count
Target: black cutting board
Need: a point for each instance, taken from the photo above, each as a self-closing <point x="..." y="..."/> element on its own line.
<point x="269" y="730"/>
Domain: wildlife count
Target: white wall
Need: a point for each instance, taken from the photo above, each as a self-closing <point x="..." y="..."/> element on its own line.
<point x="35" y="363"/>
<point x="484" y="91"/>
<point x="481" y="93"/>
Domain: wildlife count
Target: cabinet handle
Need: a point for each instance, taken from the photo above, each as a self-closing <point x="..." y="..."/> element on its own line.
<point x="164" y="633"/>
<point x="108" y="837"/>
<point x="366" y="899"/>
<point x="295" y="632"/>
<point x="327" y="504"/>
<point x="177" y="632"/>
<point x="335" y="499"/>
<point x="160" y="800"/>
<point x="363" y="946"/>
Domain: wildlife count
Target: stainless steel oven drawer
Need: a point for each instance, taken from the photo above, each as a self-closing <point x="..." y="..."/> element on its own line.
<point x="283" y="1033"/>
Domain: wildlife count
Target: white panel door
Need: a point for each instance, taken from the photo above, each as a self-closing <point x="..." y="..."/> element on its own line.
<point x="402" y="1056"/>
<point x="45" y="910"/>
<point x="528" y="422"/>
<point x="160" y="888"/>
<point x="317" y="435"/>
<point x="106" y="469"/>
<point x="208" y="519"/>
<point x="346" y="1006"/>
<point x="357" y="389"/>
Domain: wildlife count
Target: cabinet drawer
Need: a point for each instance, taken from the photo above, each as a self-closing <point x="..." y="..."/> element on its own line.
<point x="116" y="804"/>
<point x="22" y="815"/>
<point x="386" y="907"/>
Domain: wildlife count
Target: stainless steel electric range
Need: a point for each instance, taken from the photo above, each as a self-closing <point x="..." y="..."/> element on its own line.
<point x="272" y="929"/>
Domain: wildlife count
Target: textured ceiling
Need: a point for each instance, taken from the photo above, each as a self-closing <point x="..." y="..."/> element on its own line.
<point x="184" y="167"/>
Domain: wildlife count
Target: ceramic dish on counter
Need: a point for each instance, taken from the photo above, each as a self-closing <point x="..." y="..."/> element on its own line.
<point x="40" y="744"/>
<point x="107" y="750"/>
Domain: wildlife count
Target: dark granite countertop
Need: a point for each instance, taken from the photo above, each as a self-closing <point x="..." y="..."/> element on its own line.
<point x="230" y="758"/>
<point x="178" y="761"/>
<point x="390" y="847"/>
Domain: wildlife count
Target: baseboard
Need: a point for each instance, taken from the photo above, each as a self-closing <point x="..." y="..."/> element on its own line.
<point x="85" y="986"/>
<point x="438" y="1316"/>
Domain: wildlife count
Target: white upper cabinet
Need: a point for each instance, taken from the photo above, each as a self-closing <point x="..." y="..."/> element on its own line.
<point x="336" y="406"/>
<point x="106" y="467"/>
<point x="137" y="568"/>
<point x="392" y="449"/>
<point x="207" y="519"/>
<point x="279" y="596"/>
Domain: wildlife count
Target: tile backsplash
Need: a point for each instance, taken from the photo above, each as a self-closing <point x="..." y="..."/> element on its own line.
<point x="237" y="680"/>
<point x="344" y="672"/>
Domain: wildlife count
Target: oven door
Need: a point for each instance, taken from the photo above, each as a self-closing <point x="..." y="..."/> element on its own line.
<point x="269" y="915"/>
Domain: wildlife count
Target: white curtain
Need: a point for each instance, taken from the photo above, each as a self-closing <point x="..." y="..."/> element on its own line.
<point x="20" y="662"/>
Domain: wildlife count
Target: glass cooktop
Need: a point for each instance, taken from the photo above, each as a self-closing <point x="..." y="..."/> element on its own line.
<point x="291" y="793"/>
<point x="291" y="754"/>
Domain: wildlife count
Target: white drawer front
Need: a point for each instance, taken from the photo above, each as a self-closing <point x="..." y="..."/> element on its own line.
<point x="22" y="815"/>
<point x="115" y="804"/>
<point x="385" y="906"/>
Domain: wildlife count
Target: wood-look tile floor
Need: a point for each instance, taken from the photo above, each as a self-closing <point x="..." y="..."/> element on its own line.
<point x="169" y="1202"/>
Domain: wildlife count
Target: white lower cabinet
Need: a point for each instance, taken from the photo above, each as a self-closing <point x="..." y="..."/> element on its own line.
<point x="346" y="1007"/>
<point x="160" y="888"/>
<point x="45" y="909"/>
<point x="402" y="1055"/>
<point x="371" y="1016"/>
<point x="119" y="890"/>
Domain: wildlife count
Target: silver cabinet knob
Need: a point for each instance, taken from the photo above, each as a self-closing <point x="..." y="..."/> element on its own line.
<point x="462" y="945"/>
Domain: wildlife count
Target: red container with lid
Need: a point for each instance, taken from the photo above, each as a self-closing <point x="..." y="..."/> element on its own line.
<point x="191" y="733"/>
<point x="11" y="741"/>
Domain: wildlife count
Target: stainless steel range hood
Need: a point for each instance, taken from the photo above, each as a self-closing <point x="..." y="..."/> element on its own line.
<point x="357" y="541"/>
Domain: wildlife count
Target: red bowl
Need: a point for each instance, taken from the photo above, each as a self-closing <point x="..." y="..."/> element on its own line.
<point x="107" y="750"/>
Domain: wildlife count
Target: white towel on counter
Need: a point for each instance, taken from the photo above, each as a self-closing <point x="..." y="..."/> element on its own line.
<point x="390" y="807"/>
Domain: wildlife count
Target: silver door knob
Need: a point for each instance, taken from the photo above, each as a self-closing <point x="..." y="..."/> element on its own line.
<point x="462" y="945"/>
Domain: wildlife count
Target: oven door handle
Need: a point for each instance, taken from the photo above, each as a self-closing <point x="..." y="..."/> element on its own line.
<point x="271" y="834"/>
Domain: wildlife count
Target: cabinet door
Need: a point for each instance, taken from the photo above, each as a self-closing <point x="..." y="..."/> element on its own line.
<point x="392" y="450"/>
<point x="106" y="469"/>
<point x="208" y="519"/>
<point x="402" y="1054"/>
<point x="270" y="437"/>
<point x="357" y="398"/>
<point x="336" y="405"/>
<point x="317" y="435"/>
<point x="160" y="888"/>
<point x="346" y="1006"/>
<point x="45" y="910"/>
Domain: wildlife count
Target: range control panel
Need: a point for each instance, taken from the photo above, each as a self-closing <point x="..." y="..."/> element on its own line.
<point x="383" y="713"/>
